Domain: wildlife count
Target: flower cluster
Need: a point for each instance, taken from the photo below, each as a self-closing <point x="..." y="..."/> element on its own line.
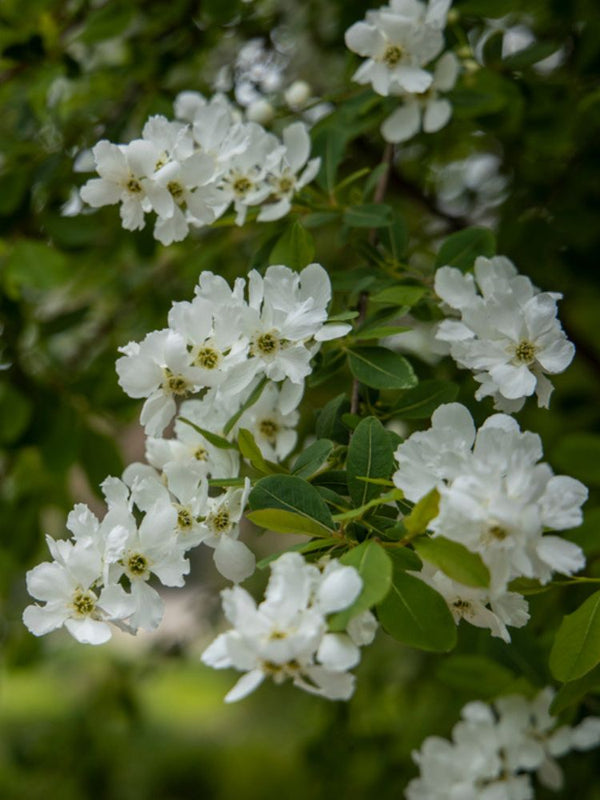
<point x="494" y="750"/>
<point x="398" y="41"/>
<point x="221" y="344"/>
<point x="497" y="500"/>
<point x="508" y="333"/>
<point x="247" y="361"/>
<point x="287" y="636"/>
<point x="189" y="171"/>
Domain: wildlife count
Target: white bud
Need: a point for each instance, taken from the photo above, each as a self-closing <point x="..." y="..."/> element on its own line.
<point x="297" y="94"/>
<point x="260" y="111"/>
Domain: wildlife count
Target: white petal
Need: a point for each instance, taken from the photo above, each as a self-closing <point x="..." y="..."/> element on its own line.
<point x="98" y="192"/>
<point x="338" y="652"/>
<point x="233" y="559"/>
<point x="88" y="631"/>
<point x="404" y="123"/>
<point x="437" y="114"/>
<point x="246" y="684"/>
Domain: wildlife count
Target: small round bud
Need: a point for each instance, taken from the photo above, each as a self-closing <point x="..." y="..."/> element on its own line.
<point x="297" y="94"/>
<point x="260" y="111"/>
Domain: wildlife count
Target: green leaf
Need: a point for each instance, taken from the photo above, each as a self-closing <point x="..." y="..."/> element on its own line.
<point x="106" y="22"/>
<point x="213" y="438"/>
<point x="579" y="455"/>
<point x="254" y="395"/>
<point x="396" y="236"/>
<point x="423" y="512"/>
<point x="576" y="648"/>
<point x="574" y="691"/>
<point x="530" y="55"/>
<point x="375" y="569"/>
<point x="329" y="421"/>
<point x="454" y="559"/>
<point x="33" y="265"/>
<point x="292" y="494"/>
<point x="417" y="615"/>
<point x="405" y="296"/>
<point x="473" y="673"/>
<point x="462" y="248"/>
<point x="404" y="558"/>
<point x="295" y="248"/>
<point x="312" y="459"/>
<point x="369" y="215"/>
<point x="302" y="547"/>
<point x="319" y="218"/>
<point x="422" y="401"/>
<point x="360" y="511"/>
<point x="251" y="451"/>
<point x="369" y="456"/>
<point x="379" y="332"/>
<point x="381" y="368"/>
<point x="15" y="413"/>
<point x="281" y="521"/>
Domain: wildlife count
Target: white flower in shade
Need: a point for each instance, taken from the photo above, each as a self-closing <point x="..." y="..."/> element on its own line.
<point x="426" y="110"/>
<point x="508" y="333"/>
<point x="471" y="604"/>
<point x="274" y="432"/>
<point x="220" y="530"/>
<point x="160" y="369"/>
<point x="398" y="41"/>
<point x="285" y="637"/>
<point x="153" y="548"/>
<point x="283" y="177"/>
<point x="70" y="589"/>
<point x="191" y="448"/>
<point x="123" y="170"/>
<point x="496" y="499"/>
<point x="493" y="750"/>
<point x="244" y="182"/>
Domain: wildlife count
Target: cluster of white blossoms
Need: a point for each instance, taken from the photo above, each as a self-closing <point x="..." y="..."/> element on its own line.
<point x="508" y="332"/>
<point x="190" y="170"/>
<point x="287" y="635"/>
<point x="495" y="749"/>
<point x="220" y="344"/>
<point x="399" y="40"/>
<point x="246" y="359"/>
<point x="498" y="501"/>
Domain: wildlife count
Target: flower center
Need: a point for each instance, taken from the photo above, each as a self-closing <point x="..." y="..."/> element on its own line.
<point x="269" y="429"/>
<point x="207" y="358"/>
<point x="176" y="190"/>
<point x="497" y="532"/>
<point x="133" y="186"/>
<point x="185" y="519"/>
<point x="137" y="565"/>
<point x="219" y="521"/>
<point x="525" y="352"/>
<point x="201" y="454"/>
<point x="393" y="54"/>
<point x="285" y="184"/>
<point x="174" y="384"/>
<point x="83" y="603"/>
<point x="242" y="185"/>
<point x="267" y="344"/>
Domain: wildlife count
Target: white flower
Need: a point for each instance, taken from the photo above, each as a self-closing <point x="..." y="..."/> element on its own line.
<point x="286" y="637"/>
<point x="69" y="587"/>
<point x="160" y="369"/>
<point x="494" y="748"/>
<point x="274" y="432"/>
<point x="219" y="529"/>
<point x="508" y="335"/>
<point x="283" y="177"/>
<point x="122" y="171"/>
<point x="496" y="499"/>
<point x="426" y="110"/>
<point x="471" y="604"/>
<point x="398" y="40"/>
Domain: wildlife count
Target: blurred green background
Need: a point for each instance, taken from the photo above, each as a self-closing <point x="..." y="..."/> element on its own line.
<point x="143" y="720"/>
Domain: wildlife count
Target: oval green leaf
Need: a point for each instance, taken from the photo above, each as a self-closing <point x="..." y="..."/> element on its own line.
<point x="576" y="648"/>
<point x="381" y="368"/>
